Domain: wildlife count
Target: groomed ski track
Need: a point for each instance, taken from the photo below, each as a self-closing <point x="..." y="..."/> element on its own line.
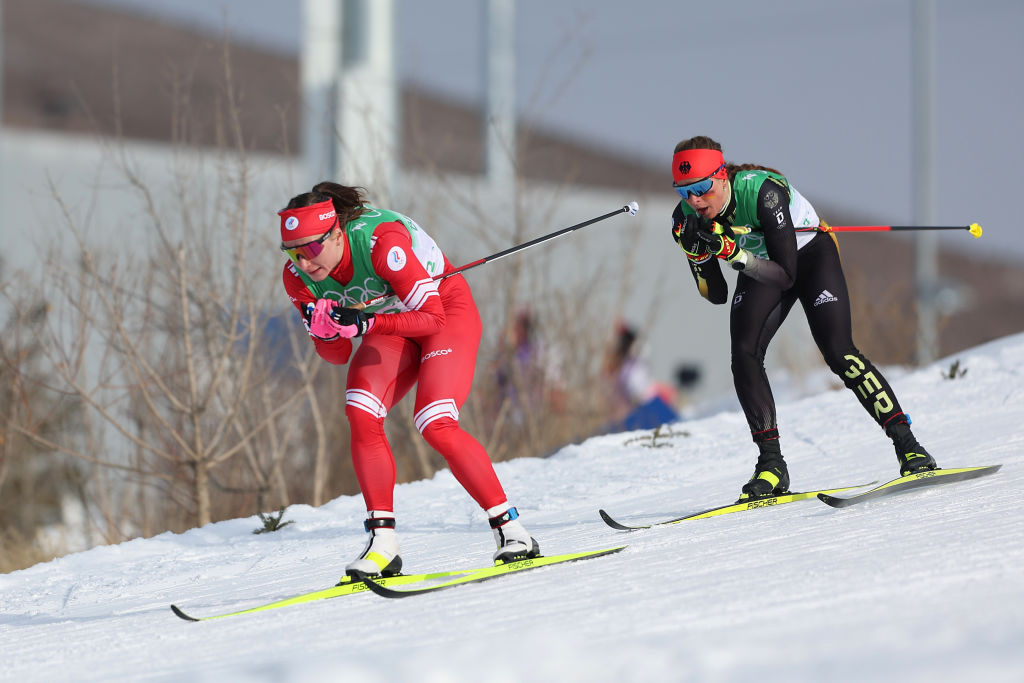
<point x="846" y="594"/>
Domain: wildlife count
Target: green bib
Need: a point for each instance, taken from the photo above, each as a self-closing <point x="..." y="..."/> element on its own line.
<point x="366" y="284"/>
<point x="745" y="187"/>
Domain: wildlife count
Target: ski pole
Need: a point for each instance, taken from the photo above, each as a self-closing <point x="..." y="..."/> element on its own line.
<point x="630" y="208"/>
<point x="973" y="228"/>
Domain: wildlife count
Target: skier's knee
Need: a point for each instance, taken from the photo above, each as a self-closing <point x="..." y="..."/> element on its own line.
<point x="848" y="363"/>
<point x="746" y="361"/>
<point x="439" y="433"/>
<point x="364" y="421"/>
<point x="439" y="415"/>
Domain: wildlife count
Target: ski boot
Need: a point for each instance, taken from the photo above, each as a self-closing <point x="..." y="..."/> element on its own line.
<point x="771" y="478"/>
<point x="514" y="542"/>
<point x="380" y="556"/>
<point x="912" y="456"/>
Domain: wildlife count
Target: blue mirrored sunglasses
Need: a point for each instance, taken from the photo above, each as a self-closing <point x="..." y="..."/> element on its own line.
<point x="697" y="189"/>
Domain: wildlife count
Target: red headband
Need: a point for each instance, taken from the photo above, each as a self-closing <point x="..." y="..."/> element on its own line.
<point x="307" y="221"/>
<point x="690" y="165"/>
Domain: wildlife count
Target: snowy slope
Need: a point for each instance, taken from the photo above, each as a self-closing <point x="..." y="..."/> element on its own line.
<point x="924" y="586"/>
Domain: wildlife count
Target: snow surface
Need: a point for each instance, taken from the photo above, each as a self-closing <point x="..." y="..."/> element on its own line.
<point x="922" y="586"/>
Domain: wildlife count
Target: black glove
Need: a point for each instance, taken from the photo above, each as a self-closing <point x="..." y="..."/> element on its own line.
<point x="701" y="239"/>
<point x="354" y="322"/>
<point x="716" y="243"/>
<point x="719" y="240"/>
<point x="688" y="235"/>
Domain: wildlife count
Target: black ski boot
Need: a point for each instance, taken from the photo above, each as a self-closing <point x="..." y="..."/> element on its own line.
<point x="912" y="456"/>
<point x="771" y="478"/>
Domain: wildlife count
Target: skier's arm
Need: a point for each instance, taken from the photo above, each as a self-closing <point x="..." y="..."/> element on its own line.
<point x="779" y="237"/>
<point x="710" y="281"/>
<point x="394" y="260"/>
<point x="707" y="274"/>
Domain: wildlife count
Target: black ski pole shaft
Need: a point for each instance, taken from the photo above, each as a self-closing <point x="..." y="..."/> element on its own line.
<point x="630" y="208"/>
<point x="973" y="228"/>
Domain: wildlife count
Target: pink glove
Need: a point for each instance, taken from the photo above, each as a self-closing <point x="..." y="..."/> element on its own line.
<point x="328" y="320"/>
<point x="321" y="325"/>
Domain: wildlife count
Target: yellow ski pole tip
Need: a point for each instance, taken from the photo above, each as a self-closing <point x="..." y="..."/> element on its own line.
<point x="974" y="229"/>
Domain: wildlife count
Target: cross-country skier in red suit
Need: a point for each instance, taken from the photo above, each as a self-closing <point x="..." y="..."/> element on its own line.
<point x="342" y="252"/>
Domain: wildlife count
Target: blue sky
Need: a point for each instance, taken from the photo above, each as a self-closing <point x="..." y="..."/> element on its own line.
<point x="820" y="90"/>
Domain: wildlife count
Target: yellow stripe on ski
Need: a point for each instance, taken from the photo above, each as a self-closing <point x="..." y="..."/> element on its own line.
<point x="346" y="588"/>
<point x="763" y="503"/>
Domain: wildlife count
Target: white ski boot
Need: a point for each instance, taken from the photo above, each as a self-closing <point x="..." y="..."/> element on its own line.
<point x="514" y="542"/>
<point x="380" y="557"/>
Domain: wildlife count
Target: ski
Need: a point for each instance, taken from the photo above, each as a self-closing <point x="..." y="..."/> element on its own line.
<point x="347" y="586"/>
<point x="909" y="482"/>
<point x="383" y="589"/>
<point x="732" y="507"/>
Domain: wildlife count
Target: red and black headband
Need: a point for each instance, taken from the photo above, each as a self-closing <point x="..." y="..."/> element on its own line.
<point x="691" y="165"/>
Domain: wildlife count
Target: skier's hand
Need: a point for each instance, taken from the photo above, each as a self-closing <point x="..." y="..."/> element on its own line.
<point x="714" y="240"/>
<point x="721" y="245"/>
<point x="686" y="234"/>
<point x="318" y="319"/>
<point x="328" y="320"/>
<point x="352" y="322"/>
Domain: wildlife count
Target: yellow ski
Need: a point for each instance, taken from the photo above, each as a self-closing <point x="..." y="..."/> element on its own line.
<point x="732" y="507"/>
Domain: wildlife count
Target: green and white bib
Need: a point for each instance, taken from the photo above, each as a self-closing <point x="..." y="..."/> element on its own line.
<point x="366" y="284"/>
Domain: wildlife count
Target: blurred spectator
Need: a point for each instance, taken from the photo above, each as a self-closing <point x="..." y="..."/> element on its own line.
<point x="637" y="401"/>
<point x="528" y="372"/>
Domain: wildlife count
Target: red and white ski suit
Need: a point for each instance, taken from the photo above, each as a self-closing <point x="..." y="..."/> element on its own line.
<point x="435" y="344"/>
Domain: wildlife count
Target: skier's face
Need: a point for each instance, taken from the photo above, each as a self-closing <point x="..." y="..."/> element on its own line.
<point x="317" y="267"/>
<point x="711" y="203"/>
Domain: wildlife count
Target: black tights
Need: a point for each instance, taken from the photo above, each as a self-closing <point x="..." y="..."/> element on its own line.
<point x="758" y="311"/>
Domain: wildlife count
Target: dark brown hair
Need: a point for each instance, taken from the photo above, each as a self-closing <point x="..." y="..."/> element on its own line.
<point x="704" y="142"/>
<point x="348" y="201"/>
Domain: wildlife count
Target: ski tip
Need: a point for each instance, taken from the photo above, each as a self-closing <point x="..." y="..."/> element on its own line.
<point x="832" y="501"/>
<point x="177" y="611"/>
<point x="612" y="523"/>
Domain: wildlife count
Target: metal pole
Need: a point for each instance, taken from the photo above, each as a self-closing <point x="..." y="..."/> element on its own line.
<point x="500" y="79"/>
<point x="1" y="62"/>
<point x="500" y="115"/>
<point x="923" y="165"/>
<point x="3" y="155"/>
<point x="320" y="67"/>
<point x="368" y="98"/>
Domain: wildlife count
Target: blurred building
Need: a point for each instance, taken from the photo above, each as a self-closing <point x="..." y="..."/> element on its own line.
<point x="74" y="74"/>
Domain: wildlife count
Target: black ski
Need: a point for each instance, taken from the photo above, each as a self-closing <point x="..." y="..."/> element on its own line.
<point x="908" y="483"/>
